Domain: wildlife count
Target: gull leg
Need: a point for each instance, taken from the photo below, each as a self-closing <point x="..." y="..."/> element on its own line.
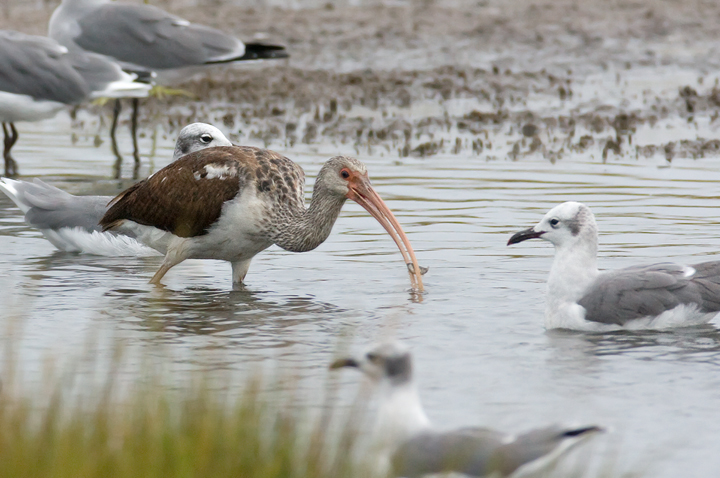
<point x="133" y="128"/>
<point x="11" y="137"/>
<point x="113" y="140"/>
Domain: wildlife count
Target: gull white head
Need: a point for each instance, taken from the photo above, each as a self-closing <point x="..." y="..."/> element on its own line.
<point x="197" y="136"/>
<point x="389" y="363"/>
<point x="400" y="414"/>
<point x="571" y="228"/>
<point x="564" y="225"/>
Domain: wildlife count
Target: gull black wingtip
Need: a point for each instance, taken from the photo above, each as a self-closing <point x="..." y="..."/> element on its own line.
<point x="345" y="362"/>
<point x="521" y="236"/>
<point x="584" y="431"/>
<point x="263" y="51"/>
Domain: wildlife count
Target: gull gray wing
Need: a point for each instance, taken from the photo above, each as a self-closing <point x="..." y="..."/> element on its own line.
<point x="38" y="67"/>
<point x="467" y="450"/>
<point x="98" y="73"/>
<point x="641" y="291"/>
<point x="479" y="451"/>
<point x="47" y="207"/>
<point x="152" y="38"/>
<point x="534" y="445"/>
<point x="707" y="281"/>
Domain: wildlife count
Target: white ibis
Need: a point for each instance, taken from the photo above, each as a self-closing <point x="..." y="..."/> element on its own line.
<point x="71" y="223"/>
<point x="408" y="445"/>
<point x="147" y="39"/>
<point x="230" y="203"/>
<point x="39" y="77"/>
<point x="648" y="296"/>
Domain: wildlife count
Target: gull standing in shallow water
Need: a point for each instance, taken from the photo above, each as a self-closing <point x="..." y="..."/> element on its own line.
<point x="39" y="77"/>
<point x="648" y="296"/>
<point x="71" y="223"/>
<point x="230" y="203"/>
<point x="147" y="40"/>
<point x="410" y="447"/>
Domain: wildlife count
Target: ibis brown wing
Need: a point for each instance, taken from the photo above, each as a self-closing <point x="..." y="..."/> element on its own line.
<point x="185" y="197"/>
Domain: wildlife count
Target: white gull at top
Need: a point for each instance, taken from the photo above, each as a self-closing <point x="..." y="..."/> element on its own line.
<point x="144" y="38"/>
<point x="39" y="77"/>
<point x="70" y="222"/>
<point x="406" y="444"/>
<point x="581" y="297"/>
<point x="149" y="42"/>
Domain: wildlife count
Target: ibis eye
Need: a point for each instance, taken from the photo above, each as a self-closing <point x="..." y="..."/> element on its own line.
<point x="554" y="222"/>
<point x="372" y="357"/>
<point x="206" y="138"/>
<point x="345" y="173"/>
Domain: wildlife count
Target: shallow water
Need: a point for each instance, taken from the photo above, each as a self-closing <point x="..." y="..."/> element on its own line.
<point x="483" y="356"/>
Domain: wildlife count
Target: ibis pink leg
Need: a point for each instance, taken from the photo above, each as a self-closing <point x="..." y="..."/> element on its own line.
<point x="240" y="270"/>
<point x="172" y="258"/>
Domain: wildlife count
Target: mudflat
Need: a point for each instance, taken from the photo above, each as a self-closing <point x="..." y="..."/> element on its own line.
<point x="501" y="79"/>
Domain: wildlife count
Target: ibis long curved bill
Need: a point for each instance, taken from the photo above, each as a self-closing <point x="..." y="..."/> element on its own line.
<point x="362" y="192"/>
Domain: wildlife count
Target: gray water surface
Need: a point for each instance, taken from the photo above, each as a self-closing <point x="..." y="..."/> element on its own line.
<point x="483" y="356"/>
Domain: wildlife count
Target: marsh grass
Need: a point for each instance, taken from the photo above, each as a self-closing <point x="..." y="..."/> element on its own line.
<point x="152" y="430"/>
<point x="149" y="429"/>
<point x="152" y="423"/>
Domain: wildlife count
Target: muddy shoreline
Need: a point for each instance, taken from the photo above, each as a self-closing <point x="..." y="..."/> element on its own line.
<point x="502" y="80"/>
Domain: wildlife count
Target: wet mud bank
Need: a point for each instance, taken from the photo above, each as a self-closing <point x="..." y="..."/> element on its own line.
<point x="499" y="80"/>
<point x="450" y="110"/>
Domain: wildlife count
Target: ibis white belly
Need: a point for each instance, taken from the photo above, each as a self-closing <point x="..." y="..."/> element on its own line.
<point x="237" y="234"/>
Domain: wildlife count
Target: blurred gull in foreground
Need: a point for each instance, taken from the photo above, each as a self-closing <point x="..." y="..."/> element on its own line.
<point x="410" y="447"/>
<point x="147" y="39"/>
<point x="39" y="77"/>
<point x="648" y="296"/>
<point x="70" y="222"/>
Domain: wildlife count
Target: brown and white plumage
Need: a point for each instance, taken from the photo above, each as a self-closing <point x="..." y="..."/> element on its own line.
<point x="71" y="222"/>
<point x="230" y="203"/>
